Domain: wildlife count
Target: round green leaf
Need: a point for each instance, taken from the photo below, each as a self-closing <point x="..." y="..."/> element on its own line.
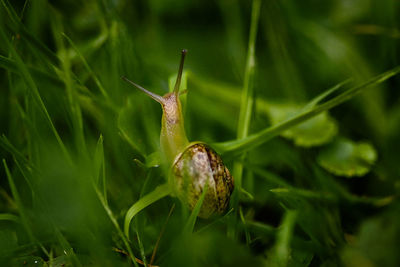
<point x="313" y="132"/>
<point x="346" y="158"/>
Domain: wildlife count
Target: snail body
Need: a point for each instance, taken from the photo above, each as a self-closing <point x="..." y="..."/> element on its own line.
<point x="191" y="165"/>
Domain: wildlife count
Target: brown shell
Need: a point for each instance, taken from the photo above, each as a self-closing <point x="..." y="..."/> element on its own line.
<point x="194" y="167"/>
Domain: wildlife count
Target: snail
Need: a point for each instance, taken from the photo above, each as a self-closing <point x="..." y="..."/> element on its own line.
<point x="191" y="165"/>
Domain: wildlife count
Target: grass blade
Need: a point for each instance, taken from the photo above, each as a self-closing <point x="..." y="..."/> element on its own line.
<point x="189" y="226"/>
<point x="284" y="237"/>
<point x="99" y="167"/>
<point x="18" y="201"/>
<point x="246" y="106"/>
<point x="24" y="218"/>
<point x="30" y="39"/>
<point x="246" y="232"/>
<point x="303" y="194"/>
<point x="40" y="75"/>
<point x="153" y="255"/>
<point x="71" y="92"/>
<point x="9" y="217"/>
<point x="254" y="140"/>
<point x="6" y="144"/>
<point x="88" y="68"/>
<point x="325" y="94"/>
<point x="31" y="84"/>
<point x="158" y="193"/>
<point x="247" y="102"/>
<point x="141" y="248"/>
<point x="116" y="225"/>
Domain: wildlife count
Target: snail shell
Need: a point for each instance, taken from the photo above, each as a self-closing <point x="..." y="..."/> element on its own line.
<point x="197" y="165"/>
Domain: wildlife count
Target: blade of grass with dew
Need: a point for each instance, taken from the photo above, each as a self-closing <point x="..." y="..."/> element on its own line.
<point x="31" y="84"/>
<point x="157" y="194"/>
<point x="254" y="140"/>
<point x="88" y="68"/>
<point x="67" y="248"/>
<point x="116" y="225"/>
<point x="246" y="107"/>
<point x="62" y="240"/>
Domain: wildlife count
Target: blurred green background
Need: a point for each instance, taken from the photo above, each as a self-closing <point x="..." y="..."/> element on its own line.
<point x="77" y="141"/>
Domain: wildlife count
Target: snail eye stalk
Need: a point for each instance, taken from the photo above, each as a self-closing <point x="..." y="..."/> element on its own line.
<point x="156" y="97"/>
<point x="179" y="77"/>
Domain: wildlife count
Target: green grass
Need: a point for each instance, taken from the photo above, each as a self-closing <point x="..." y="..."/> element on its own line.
<point x="300" y="99"/>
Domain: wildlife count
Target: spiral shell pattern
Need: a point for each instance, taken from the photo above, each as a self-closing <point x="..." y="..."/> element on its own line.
<point x="197" y="165"/>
